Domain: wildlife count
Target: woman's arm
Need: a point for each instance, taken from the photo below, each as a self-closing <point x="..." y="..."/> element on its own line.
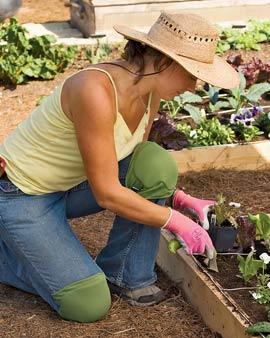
<point x="91" y="104"/>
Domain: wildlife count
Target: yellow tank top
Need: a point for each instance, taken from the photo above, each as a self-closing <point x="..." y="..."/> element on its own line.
<point x="42" y="153"/>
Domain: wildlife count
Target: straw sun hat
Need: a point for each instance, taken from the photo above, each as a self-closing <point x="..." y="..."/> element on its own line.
<point x="191" y="41"/>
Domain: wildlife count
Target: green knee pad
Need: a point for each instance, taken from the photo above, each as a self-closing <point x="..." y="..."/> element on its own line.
<point x="152" y="171"/>
<point x="84" y="301"/>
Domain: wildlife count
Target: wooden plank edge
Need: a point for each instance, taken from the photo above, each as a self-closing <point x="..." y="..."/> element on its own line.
<point x="251" y="156"/>
<point x="219" y="315"/>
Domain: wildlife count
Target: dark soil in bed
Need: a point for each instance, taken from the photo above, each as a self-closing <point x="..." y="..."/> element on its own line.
<point x="252" y="190"/>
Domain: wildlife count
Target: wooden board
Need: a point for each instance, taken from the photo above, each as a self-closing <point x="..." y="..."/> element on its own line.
<point x="217" y="312"/>
<point x="250" y="156"/>
<point x="100" y="16"/>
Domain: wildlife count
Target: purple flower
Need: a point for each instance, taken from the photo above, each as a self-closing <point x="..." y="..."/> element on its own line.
<point x="256" y="110"/>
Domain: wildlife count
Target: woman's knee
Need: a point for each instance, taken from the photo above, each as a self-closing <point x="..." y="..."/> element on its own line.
<point x="152" y="171"/>
<point x="85" y="301"/>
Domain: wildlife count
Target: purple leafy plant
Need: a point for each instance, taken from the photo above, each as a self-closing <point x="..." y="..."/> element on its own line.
<point x="255" y="70"/>
<point x="165" y="133"/>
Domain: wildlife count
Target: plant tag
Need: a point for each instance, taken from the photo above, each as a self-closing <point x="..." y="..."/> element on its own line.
<point x="213" y="220"/>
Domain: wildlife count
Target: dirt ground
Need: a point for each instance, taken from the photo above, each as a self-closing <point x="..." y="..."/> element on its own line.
<point x="25" y="315"/>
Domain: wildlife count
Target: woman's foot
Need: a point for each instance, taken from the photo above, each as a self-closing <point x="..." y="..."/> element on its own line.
<point x="199" y="207"/>
<point x="146" y="296"/>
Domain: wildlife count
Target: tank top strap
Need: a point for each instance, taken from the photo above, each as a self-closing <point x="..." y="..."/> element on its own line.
<point x="149" y="102"/>
<point x="113" y="84"/>
<point x="110" y="78"/>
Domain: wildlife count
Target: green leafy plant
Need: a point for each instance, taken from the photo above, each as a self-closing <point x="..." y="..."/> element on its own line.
<point x="225" y="211"/>
<point x="216" y="102"/>
<point x="262" y="224"/>
<point x="260" y="27"/>
<point x="185" y="102"/>
<point x="249" y="267"/>
<point x="241" y="96"/>
<point x="246" y="133"/>
<point x="263" y="123"/>
<point x="99" y="52"/>
<point x="207" y="133"/>
<point x="23" y="58"/>
<point x="249" y="38"/>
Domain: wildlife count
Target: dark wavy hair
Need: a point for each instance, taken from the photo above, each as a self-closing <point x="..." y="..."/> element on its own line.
<point x="135" y="53"/>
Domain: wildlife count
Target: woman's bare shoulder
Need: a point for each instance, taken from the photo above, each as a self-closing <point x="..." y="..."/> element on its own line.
<point x="91" y="86"/>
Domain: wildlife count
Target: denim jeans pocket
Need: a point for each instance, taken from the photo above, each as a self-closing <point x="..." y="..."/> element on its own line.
<point x="7" y="187"/>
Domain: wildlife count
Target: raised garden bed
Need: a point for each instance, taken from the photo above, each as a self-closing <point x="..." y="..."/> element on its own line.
<point x="252" y="156"/>
<point x="223" y="298"/>
<point x="224" y="304"/>
<point x="218" y="310"/>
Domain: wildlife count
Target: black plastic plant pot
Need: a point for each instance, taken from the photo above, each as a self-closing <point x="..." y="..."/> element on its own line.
<point x="223" y="238"/>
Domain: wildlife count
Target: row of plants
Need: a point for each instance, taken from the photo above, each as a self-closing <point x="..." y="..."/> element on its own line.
<point x="214" y="116"/>
<point x="23" y="58"/>
<point x="248" y="38"/>
<point x="247" y="236"/>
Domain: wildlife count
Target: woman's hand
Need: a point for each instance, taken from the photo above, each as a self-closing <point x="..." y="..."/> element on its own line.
<point x="194" y="238"/>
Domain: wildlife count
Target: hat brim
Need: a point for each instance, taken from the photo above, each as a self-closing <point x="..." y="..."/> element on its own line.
<point x="219" y="73"/>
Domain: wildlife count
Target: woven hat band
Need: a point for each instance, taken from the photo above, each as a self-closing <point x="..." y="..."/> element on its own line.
<point x="172" y="35"/>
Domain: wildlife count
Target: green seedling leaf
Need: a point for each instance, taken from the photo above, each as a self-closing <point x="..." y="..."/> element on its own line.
<point x="256" y="91"/>
<point x="189" y="97"/>
<point x="195" y="113"/>
<point x="174" y="245"/>
<point x="261" y="327"/>
<point x="249" y="266"/>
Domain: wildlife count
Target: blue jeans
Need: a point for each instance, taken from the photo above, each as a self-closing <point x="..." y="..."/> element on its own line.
<point x="40" y="253"/>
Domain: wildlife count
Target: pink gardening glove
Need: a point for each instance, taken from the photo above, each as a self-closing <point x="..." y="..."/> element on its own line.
<point x="198" y="206"/>
<point x="193" y="237"/>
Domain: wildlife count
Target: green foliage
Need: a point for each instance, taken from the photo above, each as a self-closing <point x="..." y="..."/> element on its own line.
<point x="263" y="290"/>
<point x="240" y="96"/>
<point x="23" y="58"/>
<point x="260" y="27"/>
<point x="224" y="211"/>
<point x="174" y="245"/>
<point x="216" y="103"/>
<point x="246" y="133"/>
<point x="262" y="223"/>
<point x="263" y="123"/>
<point x="249" y="266"/>
<point x="183" y="101"/>
<point x="98" y="53"/>
<point x="261" y="327"/>
<point x="207" y="133"/>
<point x="249" y="38"/>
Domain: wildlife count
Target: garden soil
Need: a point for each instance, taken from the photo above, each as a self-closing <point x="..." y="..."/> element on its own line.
<point x="25" y="315"/>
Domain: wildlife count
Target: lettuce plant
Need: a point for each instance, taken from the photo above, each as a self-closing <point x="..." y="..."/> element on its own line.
<point x="250" y="38"/>
<point x="262" y="224"/>
<point x="165" y="133"/>
<point x="249" y="267"/>
<point x="208" y="132"/>
<point x="255" y="70"/>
